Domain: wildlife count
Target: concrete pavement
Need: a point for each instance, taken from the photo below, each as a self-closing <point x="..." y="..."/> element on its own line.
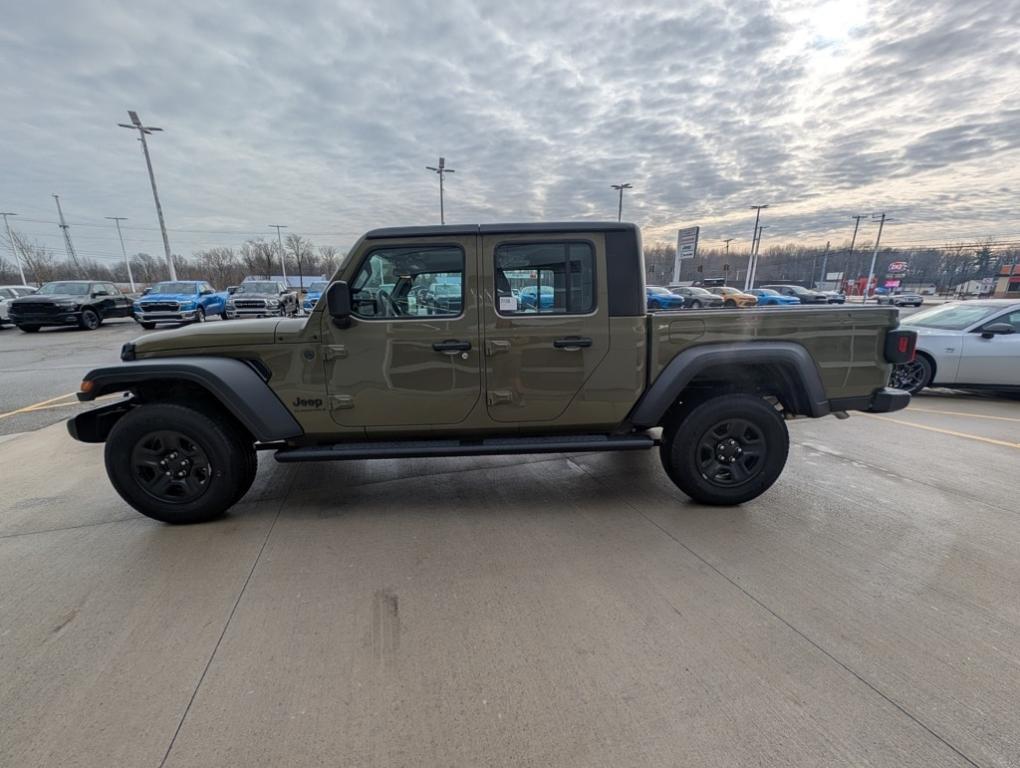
<point x="564" y="610"/>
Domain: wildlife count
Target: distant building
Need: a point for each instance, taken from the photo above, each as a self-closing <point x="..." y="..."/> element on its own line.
<point x="1007" y="285"/>
<point x="297" y="282"/>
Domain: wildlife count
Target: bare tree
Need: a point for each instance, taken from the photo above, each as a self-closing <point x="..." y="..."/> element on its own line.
<point x="329" y="260"/>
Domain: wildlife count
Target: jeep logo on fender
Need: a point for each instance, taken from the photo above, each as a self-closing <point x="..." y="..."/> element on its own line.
<point x="300" y="402"/>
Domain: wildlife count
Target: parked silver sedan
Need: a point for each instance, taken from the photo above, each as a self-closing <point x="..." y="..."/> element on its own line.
<point x="969" y="345"/>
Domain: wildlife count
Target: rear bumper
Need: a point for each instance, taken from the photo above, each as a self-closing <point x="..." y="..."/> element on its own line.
<point x="884" y="400"/>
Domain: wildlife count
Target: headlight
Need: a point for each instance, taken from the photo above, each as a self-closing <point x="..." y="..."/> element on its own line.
<point x="68" y="304"/>
<point x="272" y="302"/>
<point x="230" y="303"/>
<point x="188" y="305"/>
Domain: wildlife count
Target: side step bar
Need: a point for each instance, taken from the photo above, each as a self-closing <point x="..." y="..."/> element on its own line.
<point x="410" y="449"/>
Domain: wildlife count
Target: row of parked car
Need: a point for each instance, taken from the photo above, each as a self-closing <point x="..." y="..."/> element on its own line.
<point x="87" y="303"/>
<point x="695" y="297"/>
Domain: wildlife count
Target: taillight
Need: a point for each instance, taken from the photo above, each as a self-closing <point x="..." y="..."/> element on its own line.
<point x="900" y="346"/>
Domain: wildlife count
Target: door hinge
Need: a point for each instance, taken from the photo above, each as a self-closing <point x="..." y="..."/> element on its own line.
<point x="340" y="402"/>
<point x="496" y="346"/>
<point x="335" y="351"/>
<point x="497" y="396"/>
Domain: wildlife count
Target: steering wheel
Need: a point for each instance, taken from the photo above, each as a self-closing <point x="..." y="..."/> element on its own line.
<point x="387" y="306"/>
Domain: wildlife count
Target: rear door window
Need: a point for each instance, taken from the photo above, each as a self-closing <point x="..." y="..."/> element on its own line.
<point x="545" y="278"/>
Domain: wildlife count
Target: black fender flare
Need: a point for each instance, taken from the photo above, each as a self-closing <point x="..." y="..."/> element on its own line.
<point x="682" y="369"/>
<point x="235" y="384"/>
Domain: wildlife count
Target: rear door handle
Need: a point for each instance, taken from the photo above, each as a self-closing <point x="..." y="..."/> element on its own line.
<point x="451" y="346"/>
<point x="571" y="343"/>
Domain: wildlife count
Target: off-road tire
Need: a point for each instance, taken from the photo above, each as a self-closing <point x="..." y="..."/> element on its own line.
<point x="90" y="319"/>
<point x="700" y="424"/>
<point x="137" y="443"/>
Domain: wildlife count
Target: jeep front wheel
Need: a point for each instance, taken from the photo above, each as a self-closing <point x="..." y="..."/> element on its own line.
<point x="177" y="464"/>
<point x="725" y="450"/>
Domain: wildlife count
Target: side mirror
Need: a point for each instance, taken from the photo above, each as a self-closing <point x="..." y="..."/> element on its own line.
<point x="205" y="292"/>
<point x="996" y="329"/>
<point x="338" y="301"/>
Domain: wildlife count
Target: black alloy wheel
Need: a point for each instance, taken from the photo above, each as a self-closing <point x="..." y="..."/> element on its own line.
<point x="913" y="376"/>
<point x="171" y="467"/>
<point x="90" y="319"/>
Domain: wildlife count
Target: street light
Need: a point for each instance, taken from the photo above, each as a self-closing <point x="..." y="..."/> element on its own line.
<point x="127" y="261"/>
<point x="10" y="238"/>
<point x="752" y="258"/>
<point x="136" y="125"/>
<point x="442" y="170"/>
<point x="620" y="188"/>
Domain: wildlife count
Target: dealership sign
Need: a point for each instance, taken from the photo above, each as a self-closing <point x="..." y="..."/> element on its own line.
<point x="898" y="266"/>
<point x="686" y="248"/>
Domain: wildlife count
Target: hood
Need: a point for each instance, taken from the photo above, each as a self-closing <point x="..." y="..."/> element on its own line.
<point x="168" y="297"/>
<point x="202" y="336"/>
<point x="47" y="298"/>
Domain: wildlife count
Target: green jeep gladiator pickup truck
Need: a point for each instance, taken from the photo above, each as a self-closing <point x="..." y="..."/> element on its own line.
<point x="480" y="340"/>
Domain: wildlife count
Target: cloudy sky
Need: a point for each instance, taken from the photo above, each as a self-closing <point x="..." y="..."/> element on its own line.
<point x="322" y="116"/>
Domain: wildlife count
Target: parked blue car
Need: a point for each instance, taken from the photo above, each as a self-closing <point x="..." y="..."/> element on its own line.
<point x="662" y="298"/>
<point x="769" y="298"/>
<point x="315" y="290"/>
<point x="528" y="298"/>
<point x="180" y="301"/>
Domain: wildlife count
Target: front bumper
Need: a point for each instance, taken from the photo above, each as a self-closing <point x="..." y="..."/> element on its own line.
<point x="166" y="317"/>
<point x="71" y="317"/>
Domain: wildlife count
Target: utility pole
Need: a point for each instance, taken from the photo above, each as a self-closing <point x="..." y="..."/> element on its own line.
<point x="10" y="239"/>
<point x="874" y="255"/>
<point x="849" y="257"/>
<point x="825" y="263"/>
<point x="757" y="214"/>
<point x="620" y="188"/>
<point x="127" y="262"/>
<point x="442" y="170"/>
<point x="728" y="240"/>
<point x="68" y="245"/>
<point x="136" y="125"/>
<point x="283" y="256"/>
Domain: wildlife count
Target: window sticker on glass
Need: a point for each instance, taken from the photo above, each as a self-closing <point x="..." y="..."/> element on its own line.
<point x="507" y="303"/>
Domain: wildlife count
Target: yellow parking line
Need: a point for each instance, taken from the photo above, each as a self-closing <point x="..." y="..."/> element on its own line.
<point x="966" y="435"/>
<point x="962" y="413"/>
<point x="33" y="406"/>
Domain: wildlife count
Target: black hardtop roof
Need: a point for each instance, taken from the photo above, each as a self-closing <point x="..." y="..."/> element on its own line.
<point x="500" y="229"/>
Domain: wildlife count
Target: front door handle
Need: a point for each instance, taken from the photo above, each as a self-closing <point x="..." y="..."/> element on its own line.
<point x="451" y="346"/>
<point x="571" y="343"/>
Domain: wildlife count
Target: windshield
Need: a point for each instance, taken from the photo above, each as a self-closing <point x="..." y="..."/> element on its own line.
<point x="67" y="289"/>
<point x="318" y="287"/>
<point x="257" y="288"/>
<point x="951" y="317"/>
<point x="764" y="292"/>
<point x="659" y="291"/>
<point x="700" y="292"/>
<point x="174" y="288"/>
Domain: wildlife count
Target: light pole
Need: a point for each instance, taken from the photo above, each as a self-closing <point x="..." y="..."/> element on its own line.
<point x="752" y="273"/>
<point x="442" y="170"/>
<point x="849" y="257"/>
<point x="620" y="188"/>
<point x="757" y="214"/>
<point x="136" y="125"/>
<point x="117" y="220"/>
<point x="283" y="257"/>
<point x="10" y="239"/>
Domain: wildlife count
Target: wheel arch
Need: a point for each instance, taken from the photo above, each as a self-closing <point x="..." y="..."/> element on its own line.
<point x="234" y="385"/>
<point x="784" y="370"/>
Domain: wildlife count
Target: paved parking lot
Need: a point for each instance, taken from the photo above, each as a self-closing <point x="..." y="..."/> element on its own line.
<point x="546" y="611"/>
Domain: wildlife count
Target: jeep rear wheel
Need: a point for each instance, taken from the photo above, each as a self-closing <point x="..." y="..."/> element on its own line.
<point x="725" y="450"/>
<point x="178" y="464"/>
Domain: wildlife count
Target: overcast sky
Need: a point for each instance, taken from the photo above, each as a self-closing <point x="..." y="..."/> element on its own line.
<point x="322" y="116"/>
